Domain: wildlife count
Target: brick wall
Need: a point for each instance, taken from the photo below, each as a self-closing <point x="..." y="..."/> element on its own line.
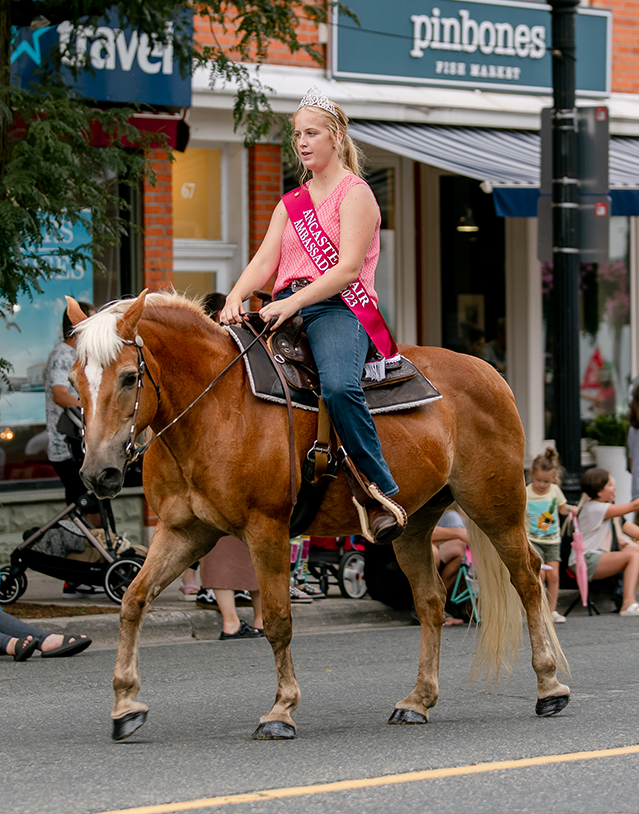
<point x="625" y="43"/>
<point x="278" y="54"/>
<point x="265" y="189"/>
<point x="158" y="226"/>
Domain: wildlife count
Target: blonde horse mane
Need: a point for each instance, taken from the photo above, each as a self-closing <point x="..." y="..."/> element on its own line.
<point x="501" y="612"/>
<point x="98" y="337"/>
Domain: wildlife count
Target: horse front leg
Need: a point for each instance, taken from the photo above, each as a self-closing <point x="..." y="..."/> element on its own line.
<point x="169" y="555"/>
<point x="272" y="567"/>
<point x="415" y="557"/>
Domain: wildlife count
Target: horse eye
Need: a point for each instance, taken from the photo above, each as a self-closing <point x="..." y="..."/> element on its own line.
<point x="130" y="380"/>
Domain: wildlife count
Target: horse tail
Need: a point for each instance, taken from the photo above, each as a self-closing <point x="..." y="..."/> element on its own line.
<point x="499" y="607"/>
<point x="501" y="612"/>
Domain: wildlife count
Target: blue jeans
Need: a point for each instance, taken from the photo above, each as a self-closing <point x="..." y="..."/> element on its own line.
<point x="340" y="346"/>
<point x="12" y="628"/>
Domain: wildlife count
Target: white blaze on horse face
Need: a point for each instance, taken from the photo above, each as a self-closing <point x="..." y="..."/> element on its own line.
<point x="93" y="371"/>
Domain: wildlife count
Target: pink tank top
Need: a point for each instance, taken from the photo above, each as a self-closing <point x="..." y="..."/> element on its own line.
<point x="295" y="262"/>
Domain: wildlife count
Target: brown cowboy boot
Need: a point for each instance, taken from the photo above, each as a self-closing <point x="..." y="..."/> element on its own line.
<point x="383" y="524"/>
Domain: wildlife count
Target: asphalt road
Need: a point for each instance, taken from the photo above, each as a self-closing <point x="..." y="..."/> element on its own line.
<point x="205" y="699"/>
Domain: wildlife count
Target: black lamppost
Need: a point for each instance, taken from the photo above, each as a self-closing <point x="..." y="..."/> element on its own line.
<point x="566" y="243"/>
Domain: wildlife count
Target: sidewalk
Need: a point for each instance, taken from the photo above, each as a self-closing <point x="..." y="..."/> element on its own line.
<point x="172" y="618"/>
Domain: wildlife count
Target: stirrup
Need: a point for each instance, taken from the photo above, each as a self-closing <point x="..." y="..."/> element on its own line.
<point x="378" y="496"/>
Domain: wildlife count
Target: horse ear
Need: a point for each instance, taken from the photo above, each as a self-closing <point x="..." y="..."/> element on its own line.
<point x="129" y="320"/>
<point x="74" y="312"/>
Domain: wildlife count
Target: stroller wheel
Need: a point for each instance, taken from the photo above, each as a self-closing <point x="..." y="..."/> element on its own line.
<point x="11" y="588"/>
<point x="119" y="575"/>
<point x="351" y="575"/>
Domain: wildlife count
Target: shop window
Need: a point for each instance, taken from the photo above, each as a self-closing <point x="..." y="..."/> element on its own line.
<point x="472" y="271"/>
<point x="197" y="195"/>
<point x="33" y="329"/>
<point x="604" y="337"/>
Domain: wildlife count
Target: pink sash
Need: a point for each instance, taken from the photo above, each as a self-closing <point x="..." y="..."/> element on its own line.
<point x="324" y="256"/>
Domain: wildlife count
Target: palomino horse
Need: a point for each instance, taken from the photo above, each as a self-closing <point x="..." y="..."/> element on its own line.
<point x="223" y="468"/>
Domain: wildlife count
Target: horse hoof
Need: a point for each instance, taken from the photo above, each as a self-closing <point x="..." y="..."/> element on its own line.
<point x="551" y="706"/>
<point x="123" y="727"/>
<point x="274" y="731"/>
<point x="407" y="716"/>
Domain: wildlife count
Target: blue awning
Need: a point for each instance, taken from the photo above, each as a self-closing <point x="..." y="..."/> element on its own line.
<point x="508" y="160"/>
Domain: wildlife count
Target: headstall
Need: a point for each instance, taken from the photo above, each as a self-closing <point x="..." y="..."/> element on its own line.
<point x="133" y="452"/>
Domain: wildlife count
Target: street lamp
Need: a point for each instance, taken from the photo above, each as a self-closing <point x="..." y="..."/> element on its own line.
<point x="566" y="242"/>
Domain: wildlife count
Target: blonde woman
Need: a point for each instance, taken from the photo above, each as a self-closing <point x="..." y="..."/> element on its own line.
<point x="325" y="258"/>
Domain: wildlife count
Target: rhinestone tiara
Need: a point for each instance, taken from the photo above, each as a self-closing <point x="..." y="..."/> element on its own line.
<point x="314" y="98"/>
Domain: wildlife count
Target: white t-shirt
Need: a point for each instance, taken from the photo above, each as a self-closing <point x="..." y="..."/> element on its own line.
<point x="595" y="528"/>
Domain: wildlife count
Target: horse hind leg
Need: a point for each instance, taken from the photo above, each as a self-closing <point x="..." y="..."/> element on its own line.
<point x="508" y="544"/>
<point x="415" y="557"/>
<point x="168" y="557"/>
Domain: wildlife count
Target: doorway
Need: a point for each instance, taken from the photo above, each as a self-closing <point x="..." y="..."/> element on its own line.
<point x="473" y="283"/>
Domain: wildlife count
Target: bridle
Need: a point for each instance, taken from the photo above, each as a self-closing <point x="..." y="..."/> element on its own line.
<point x="132" y="454"/>
<point x="132" y="451"/>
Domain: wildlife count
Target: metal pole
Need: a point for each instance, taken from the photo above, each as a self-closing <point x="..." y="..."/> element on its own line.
<point x="565" y="232"/>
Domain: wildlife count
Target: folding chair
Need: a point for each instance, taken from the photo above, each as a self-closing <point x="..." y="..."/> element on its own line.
<point x="466" y="588"/>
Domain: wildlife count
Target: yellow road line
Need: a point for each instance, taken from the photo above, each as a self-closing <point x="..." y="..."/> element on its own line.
<point x="372" y="782"/>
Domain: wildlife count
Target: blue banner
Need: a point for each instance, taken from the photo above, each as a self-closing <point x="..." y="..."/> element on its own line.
<point x="489" y="44"/>
<point x="127" y="66"/>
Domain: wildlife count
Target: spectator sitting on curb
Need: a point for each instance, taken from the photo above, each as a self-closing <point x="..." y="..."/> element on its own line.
<point x="20" y="640"/>
<point x="599" y="486"/>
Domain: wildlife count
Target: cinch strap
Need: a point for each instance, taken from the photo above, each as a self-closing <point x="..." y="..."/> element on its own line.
<point x="324" y="255"/>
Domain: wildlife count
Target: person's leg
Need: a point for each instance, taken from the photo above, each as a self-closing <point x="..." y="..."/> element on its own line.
<point x="613" y="562"/>
<point x="552" y="584"/>
<point x="452" y="553"/>
<point x="256" y="599"/>
<point x="17" y="629"/>
<point x="226" y="602"/>
<point x="340" y="346"/>
<point x="7" y="643"/>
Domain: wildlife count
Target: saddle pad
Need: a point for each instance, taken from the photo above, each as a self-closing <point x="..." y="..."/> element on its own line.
<point x="265" y="382"/>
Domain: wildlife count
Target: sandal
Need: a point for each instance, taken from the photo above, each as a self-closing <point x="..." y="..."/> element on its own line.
<point x="68" y="647"/>
<point x="24" y="649"/>
<point x="633" y="610"/>
<point x="189" y="591"/>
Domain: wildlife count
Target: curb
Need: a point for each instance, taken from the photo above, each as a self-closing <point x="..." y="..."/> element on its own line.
<point x="322" y="615"/>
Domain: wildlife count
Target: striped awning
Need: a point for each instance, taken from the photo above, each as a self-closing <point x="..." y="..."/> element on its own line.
<point x="509" y="160"/>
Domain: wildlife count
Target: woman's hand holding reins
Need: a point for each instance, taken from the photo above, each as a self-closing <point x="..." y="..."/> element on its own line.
<point x="280" y="310"/>
<point x="232" y="312"/>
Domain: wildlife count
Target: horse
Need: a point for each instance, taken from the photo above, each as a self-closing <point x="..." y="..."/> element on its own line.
<point x="223" y="467"/>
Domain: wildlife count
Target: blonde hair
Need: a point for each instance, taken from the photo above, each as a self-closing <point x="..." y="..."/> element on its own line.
<point x="549" y="462"/>
<point x="348" y="153"/>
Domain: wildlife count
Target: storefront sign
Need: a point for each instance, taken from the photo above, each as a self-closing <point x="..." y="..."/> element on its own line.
<point x="36" y="324"/>
<point x="126" y="65"/>
<point x="491" y="44"/>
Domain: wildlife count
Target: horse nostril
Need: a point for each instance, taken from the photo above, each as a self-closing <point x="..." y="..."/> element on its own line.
<point x="110" y="478"/>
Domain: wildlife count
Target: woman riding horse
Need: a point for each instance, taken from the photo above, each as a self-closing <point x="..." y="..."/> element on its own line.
<point x="218" y="462"/>
<point x="347" y="210"/>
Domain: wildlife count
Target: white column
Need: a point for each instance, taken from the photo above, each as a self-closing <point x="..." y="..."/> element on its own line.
<point x="524" y="329"/>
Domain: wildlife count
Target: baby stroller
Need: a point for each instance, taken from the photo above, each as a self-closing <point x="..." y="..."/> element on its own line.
<point x="341" y="558"/>
<point x="120" y="561"/>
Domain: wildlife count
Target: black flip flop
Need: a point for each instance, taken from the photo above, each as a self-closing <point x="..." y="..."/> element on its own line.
<point x="68" y="648"/>
<point x="24" y="649"/>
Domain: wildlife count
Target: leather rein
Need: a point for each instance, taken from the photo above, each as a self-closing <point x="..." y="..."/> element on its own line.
<point x="132" y="451"/>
